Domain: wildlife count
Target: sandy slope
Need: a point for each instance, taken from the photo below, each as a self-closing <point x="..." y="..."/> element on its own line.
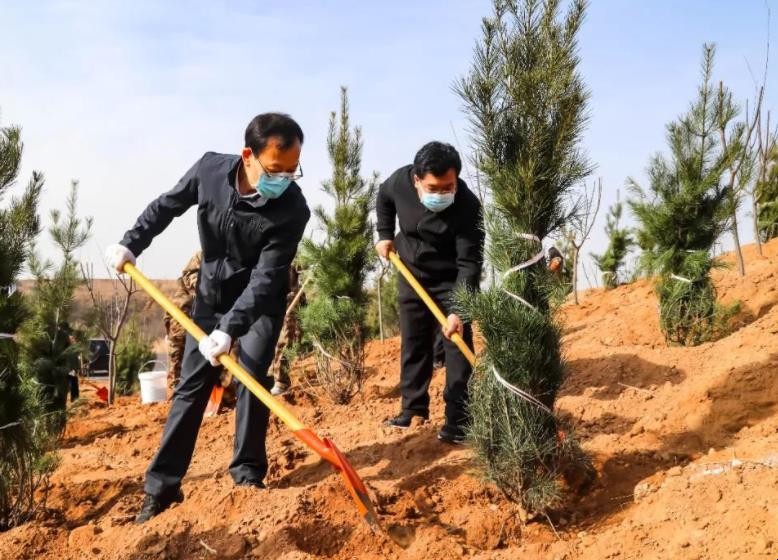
<point x="685" y="441"/>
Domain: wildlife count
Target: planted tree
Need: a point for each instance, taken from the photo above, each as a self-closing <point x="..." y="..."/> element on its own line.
<point x="49" y="351"/>
<point x="334" y="319"/>
<point x="737" y="138"/>
<point x="580" y="227"/>
<point x="527" y="104"/>
<point x="23" y="442"/>
<point x="110" y="312"/>
<point x="611" y="262"/>
<point x="765" y="195"/>
<point x="383" y="314"/>
<point x="684" y="210"/>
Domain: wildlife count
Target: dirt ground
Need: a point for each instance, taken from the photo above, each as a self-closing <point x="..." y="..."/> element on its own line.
<point x="685" y="441"/>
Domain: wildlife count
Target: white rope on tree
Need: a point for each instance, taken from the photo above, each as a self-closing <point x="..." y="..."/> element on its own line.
<point x="500" y="379"/>
<point x="519" y="392"/>
<point x="522" y="266"/>
<point x="681" y="279"/>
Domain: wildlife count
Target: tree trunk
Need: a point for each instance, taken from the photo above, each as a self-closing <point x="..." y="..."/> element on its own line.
<point x="575" y="275"/>
<point x="755" y="212"/>
<point x="111" y="371"/>
<point x="741" y="266"/>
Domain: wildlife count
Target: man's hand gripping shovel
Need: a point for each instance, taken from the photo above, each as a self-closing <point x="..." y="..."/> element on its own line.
<point x="324" y="448"/>
<point x="456" y="338"/>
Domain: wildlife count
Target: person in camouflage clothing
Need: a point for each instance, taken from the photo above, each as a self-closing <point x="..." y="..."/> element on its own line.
<point x="176" y="335"/>
<point x="290" y="335"/>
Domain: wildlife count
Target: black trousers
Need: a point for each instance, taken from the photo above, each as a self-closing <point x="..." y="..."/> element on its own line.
<point x="417" y="333"/>
<point x="198" y="376"/>
<point x="439" y="349"/>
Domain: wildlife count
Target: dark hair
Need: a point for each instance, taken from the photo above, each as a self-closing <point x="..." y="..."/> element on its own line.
<point x="436" y="158"/>
<point x="263" y="127"/>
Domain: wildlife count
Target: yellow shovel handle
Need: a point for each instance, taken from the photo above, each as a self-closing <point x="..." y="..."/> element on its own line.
<point x="225" y="359"/>
<point x="436" y="311"/>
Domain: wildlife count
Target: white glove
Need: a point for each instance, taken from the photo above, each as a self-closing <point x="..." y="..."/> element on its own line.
<point x="214" y="345"/>
<point x="117" y="256"/>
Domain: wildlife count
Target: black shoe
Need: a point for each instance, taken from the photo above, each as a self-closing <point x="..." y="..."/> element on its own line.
<point x="452" y="434"/>
<point x="403" y="420"/>
<point x="153" y="506"/>
<point x="252" y="483"/>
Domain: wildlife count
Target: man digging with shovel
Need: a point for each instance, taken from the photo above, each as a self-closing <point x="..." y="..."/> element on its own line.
<point x="251" y="216"/>
<point x="441" y="242"/>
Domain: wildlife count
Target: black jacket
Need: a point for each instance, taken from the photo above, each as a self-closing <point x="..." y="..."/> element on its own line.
<point x="247" y="245"/>
<point x="438" y="247"/>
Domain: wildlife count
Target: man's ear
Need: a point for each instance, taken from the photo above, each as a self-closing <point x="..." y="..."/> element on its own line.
<point x="246" y="153"/>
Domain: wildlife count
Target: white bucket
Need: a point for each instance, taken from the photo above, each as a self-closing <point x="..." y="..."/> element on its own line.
<point x="153" y="386"/>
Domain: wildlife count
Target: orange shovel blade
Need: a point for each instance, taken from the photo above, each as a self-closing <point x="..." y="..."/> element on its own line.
<point x="355" y="486"/>
<point x="327" y="450"/>
<point x="102" y="394"/>
<point x="214" y="401"/>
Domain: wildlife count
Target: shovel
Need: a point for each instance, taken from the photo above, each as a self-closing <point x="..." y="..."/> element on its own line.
<point x="456" y="338"/>
<point x="324" y="448"/>
<point x="101" y="392"/>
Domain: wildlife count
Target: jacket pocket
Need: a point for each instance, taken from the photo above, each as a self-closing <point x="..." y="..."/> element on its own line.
<point x="233" y="280"/>
<point x="208" y="282"/>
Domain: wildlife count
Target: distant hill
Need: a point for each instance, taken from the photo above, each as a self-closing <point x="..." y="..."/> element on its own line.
<point x="147" y="311"/>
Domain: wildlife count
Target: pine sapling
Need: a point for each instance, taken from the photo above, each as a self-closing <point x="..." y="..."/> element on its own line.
<point x="527" y="105"/>
<point x="334" y="320"/>
<point x="620" y="241"/>
<point x="684" y="210"/>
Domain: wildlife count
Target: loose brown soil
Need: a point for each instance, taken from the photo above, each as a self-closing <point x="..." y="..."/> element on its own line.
<point x="685" y="441"/>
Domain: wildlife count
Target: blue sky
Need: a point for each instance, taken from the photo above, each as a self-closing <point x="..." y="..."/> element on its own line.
<point x="125" y="96"/>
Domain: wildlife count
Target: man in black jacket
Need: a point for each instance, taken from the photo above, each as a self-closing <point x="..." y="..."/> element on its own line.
<point x="441" y="241"/>
<point x="251" y="216"/>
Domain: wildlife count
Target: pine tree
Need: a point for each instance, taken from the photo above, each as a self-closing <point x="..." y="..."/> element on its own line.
<point x="527" y="104"/>
<point x="685" y="209"/>
<point x="620" y="242"/>
<point x="22" y="445"/>
<point x="766" y="194"/>
<point x="580" y="227"/>
<point x="334" y="319"/>
<point x="47" y="352"/>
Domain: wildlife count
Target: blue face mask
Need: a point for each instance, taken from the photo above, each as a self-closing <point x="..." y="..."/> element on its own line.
<point x="437" y="202"/>
<point x="272" y="186"/>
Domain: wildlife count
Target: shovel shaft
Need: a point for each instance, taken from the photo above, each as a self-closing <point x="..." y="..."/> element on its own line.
<point x="436" y="311"/>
